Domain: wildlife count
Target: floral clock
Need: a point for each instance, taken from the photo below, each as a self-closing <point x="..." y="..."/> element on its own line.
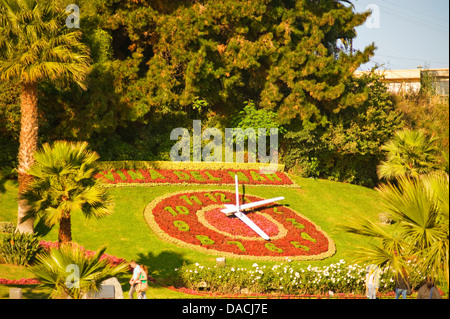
<point x="193" y="219"/>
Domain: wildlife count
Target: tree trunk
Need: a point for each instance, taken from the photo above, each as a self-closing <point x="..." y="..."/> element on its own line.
<point x="28" y="145"/>
<point x="65" y="229"/>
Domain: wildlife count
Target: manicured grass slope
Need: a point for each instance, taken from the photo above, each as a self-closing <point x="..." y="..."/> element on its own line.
<point x="126" y="234"/>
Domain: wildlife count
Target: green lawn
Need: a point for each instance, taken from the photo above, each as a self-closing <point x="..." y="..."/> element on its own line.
<point x="127" y="235"/>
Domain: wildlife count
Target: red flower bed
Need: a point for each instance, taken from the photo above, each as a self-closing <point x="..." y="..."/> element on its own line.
<point x="193" y="219"/>
<point x="23" y="281"/>
<point x="207" y="177"/>
<point x="235" y="226"/>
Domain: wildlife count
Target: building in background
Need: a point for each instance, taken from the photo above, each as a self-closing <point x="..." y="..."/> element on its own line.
<point x="411" y="81"/>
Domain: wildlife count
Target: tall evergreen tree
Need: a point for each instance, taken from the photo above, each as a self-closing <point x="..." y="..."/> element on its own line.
<point x="290" y="56"/>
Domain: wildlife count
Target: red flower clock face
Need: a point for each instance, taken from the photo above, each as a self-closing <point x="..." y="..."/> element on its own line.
<point x="194" y="220"/>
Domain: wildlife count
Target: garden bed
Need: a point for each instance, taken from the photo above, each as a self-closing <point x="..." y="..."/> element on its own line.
<point x="286" y="280"/>
<point x="154" y="177"/>
<point x="194" y="220"/>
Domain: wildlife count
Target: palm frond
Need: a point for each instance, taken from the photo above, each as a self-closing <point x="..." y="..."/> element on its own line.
<point x="420" y="208"/>
<point x="64" y="182"/>
<point x="69" y="271"/>
<point x="365" y="227"/>
<point x="35" y="45"/>
<point x="375" y="255"/>
<point x="409" y="153"/>
<point x="415" y="207"/>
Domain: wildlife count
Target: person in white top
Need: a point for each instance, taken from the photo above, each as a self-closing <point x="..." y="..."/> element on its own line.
<point x="372" y="281"/>
<point x="134" y="279"/>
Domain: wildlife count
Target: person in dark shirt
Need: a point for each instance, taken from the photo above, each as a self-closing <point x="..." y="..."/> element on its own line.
<point x="401" y="285"/>
<point x="428" y="290"/>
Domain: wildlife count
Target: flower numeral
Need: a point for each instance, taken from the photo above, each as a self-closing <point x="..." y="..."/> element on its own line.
<point x="205" y="240"/>
<point x="272" y="247"/>
<point x="296" y="244"/>
<point x="238" y="244"/>
<point x="295" y="223"/>
<point x="308" y="237"/>
<point x="222" y="196"/>
<point x="180" y="210"/>
<point x="181" y="225"/>
<point x="275" y="210"/>
<point x="190" y="199"/>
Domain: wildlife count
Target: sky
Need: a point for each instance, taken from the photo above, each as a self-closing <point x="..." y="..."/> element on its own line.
<point x="407" y="33"/>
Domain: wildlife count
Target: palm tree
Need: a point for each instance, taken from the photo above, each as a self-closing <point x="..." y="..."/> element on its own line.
<point x="35" y="45"/>
<point x="409" y="153"/>
<point x="420" y="234"/>
<point x="63" y="183"/>
<point x="71" y="273"/>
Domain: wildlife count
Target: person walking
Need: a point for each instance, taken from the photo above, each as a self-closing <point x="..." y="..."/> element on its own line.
<point x="134" y="279"/>
<point x="372" y="281"/>
<point x="402" y="286"/>
<point x="428" y="290"/>
<point x="143" y="282"/>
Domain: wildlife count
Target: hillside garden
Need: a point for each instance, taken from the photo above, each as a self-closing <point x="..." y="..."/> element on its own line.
<point x="86" y="177"/>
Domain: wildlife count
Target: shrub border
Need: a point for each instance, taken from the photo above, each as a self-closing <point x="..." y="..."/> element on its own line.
<point x="122" y="177"/>
<point x="109" y="165"/>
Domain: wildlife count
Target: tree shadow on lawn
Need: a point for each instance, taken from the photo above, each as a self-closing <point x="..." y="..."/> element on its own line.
<point x="2" y="184"/>
<point x="40" y="228"/>
<point x="28" y="291"/>
<point x="162" y="267"/>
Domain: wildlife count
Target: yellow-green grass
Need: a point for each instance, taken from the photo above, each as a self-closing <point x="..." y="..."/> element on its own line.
<point x="126" y="234"/>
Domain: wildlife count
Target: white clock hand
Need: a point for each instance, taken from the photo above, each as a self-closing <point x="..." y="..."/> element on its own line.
<point x="229" y="209"/>
<point x="235" y="209"/>
<point x="252" y="225"/>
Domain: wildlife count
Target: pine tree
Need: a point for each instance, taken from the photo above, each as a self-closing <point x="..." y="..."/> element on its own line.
<point x="289" y="56"/>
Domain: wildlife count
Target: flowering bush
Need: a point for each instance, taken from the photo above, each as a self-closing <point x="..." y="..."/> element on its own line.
<point x="210" y="177"/>
<point x="22" y="281"/>
<point x="285" y="278"/>
<point x="193" y="219"/>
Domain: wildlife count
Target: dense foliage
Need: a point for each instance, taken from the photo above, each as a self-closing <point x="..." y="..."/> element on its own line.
<point x="348" y="147"/>
<point x="19" y="248"/>
<point x="63" y="184"/>
<point x="157" y="65"/>
<point x="419" y="207"/>
<point x="70" y="272"/>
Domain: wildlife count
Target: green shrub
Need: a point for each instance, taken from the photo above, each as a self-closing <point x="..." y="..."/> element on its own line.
<point x="429" y="114"/>
<point x="19" y="248"/>
<point x="115" y="165"/>
<point x="70" y="272"/>
<point x="347" y="148"/>
<point x="7" y="227"/>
